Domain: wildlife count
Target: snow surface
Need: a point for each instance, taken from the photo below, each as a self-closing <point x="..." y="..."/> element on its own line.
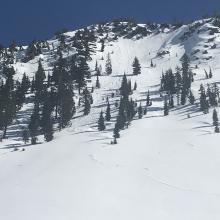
<point x="162" y="168"/>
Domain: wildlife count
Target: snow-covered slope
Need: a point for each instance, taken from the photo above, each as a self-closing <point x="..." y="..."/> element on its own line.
<point x="162" y="168"/>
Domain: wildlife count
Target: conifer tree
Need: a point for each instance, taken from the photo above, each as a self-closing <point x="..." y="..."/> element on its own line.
<point x="178" y="97"/>
<point x="204" y="106"/>
<point x="48" y="129"/>
<point x="97" y="84"/>
<point x="124" y="90"/>
<point x="136" y="66"/>
<point x="183" y="96"/>
<point x="81" y="73"/>
<point x="66" y="107"/>
<point x="25" y="83"/>
<point x="19" y="95"/>
<point x="210" y="73"/>
<point x="151" y="63"/>
<point x="171" y="102"/>
<point x="96" y="66"/>
<point x="108" y="65"/>
<point x="87" y="105"/>
<point x="116" y="131"/>
<point x="102" y="45"/>
<point x="168" y="82"/>
<point x="166" y="108"/>
<point x="148" y="98"/>
<point x="191" y="98"/>
<point x="129" y="87"/>
<point x="91" y="99"/>
<point x="101" y="122"/>
<point x="25" y="136"/>
<point x="62" y="94"/>
<point x="130" y="110"/>
<point x="46" y="121"/>
<point x="186" y="73"/>
<point x="39" y="78"/>
<point x="178" y="79"/>
<point x="34" y="123"/>
<point x="135" y="86"/>
<point x="8" y="98"/>
<point x="99" y="71"/>
<point x="121" y="119"/>
<point x="115" y="141"/>
<point x="216" y="91"/>
<point x="108" y="113"/>
<point x="206" y="74"/>
<point x="145" y="110"/>
<point x="72" y="69"/>
<point x="215" y="121"/>
<point x="140" y="111"/>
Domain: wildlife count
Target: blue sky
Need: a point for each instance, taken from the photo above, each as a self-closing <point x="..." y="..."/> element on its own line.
<point x="25" y="20"/>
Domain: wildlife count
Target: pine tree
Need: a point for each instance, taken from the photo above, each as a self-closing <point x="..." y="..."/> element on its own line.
<point x="67" y="107"/>
<point x="97" y="84"/>
<point x="115" y="141"/>
<point x="206" y="74"/>
<point x="116" y="131"/>
<point x="48" y="129"/>
<point x="191" y="98"/>
<point x="166" y="108"/>
<point x="91" y="99"/>
<point x="102" y="45"/>
<point x="148" y="98"/>
<point x="101" y="122"/>
<point x="8" y="99"/>
<point x="124" y="90"/>
<point x="178" y="80"/>
<point x="96" y="66"/>
<point x="39" y="78"/>
<point x="87" y="105"/>
<point x="108" y="113"/>
<point x="151" y="63"/>
<point x="215" y="121"/>
<point x="171" y="102"/>
<point x="136" y="66"/>
<point x="81" y="73"/>
<point x="25" y="136"/>
<point x="216" y="91"/>
<point x="178" y="97"/>
<point x="72" y="69"/>
<point x="140" y="111"/>
<point x="19" y="95"/>
<point x="130" y="110"/>
<point x="121" y="119"/>
<point x="108" y="65"/>
<point x="129" y="87"/>
<point x="145" y="110"/>
<point x="183" y="96"/>
<point x="210" y="73"/>
<point x="186" y="73"/>
<point x="34" y="123"/>
<point x="204" y="106"/>
<point x="135" y="86"/>
<point x="46" y="121"/>
<point x="25" y="83"/>
<point x="168" y="82"/>
<point x="98" y="72"/>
